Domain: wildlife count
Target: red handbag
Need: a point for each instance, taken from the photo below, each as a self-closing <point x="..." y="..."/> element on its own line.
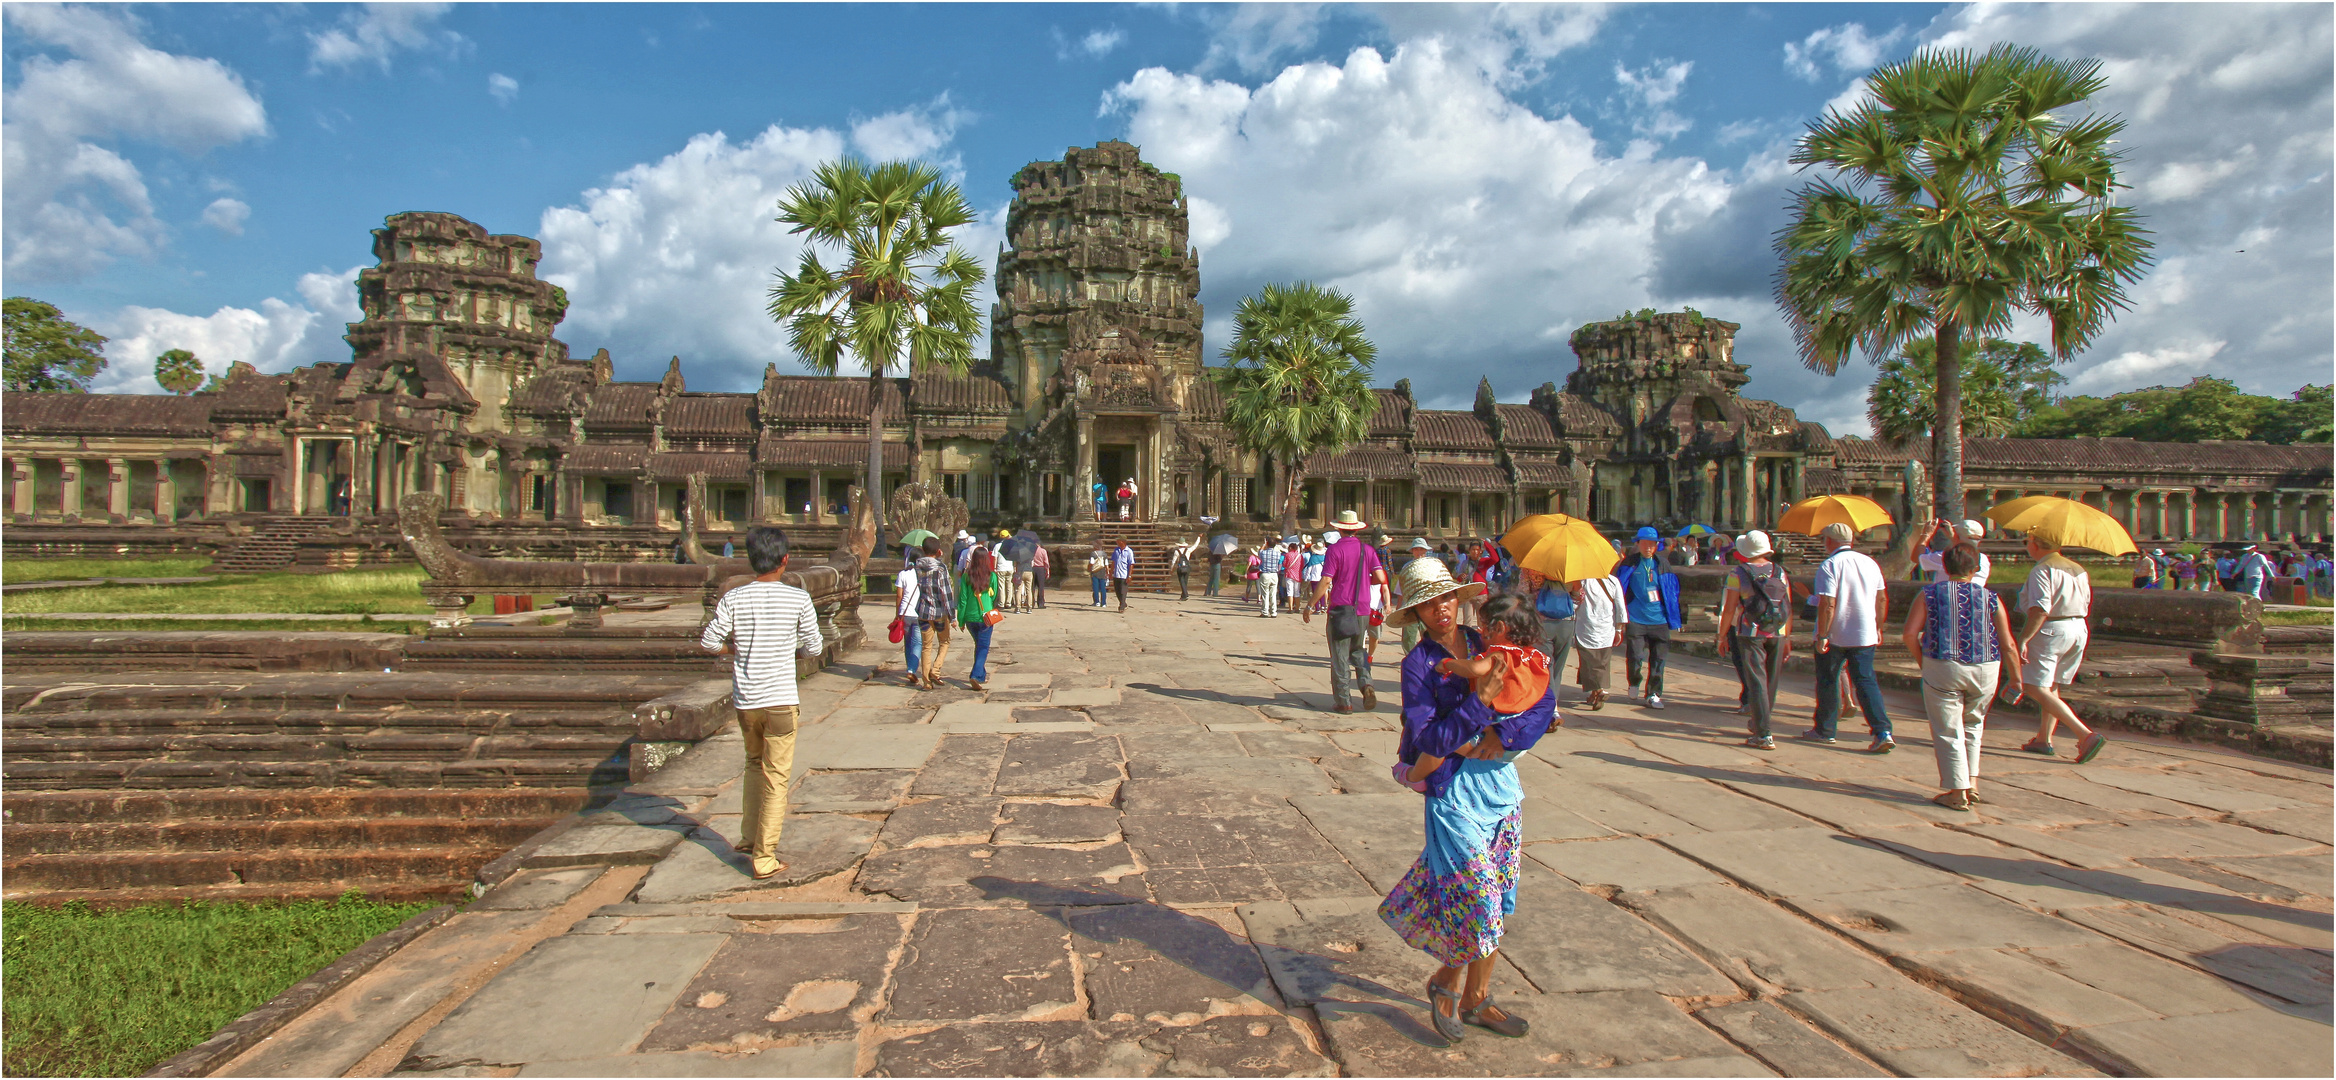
<point x="899" y="629"/>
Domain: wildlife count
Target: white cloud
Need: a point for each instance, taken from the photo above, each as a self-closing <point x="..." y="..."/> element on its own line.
<point x="374" y="33"/>
<point x="1651" y="91"/>
<point x="1251" y="38"/>
<point x="1094" y="44"/>
<point x="72" y="206"/>
<point x="1473" y="232"/>
<point x="503" y="88"/>
<point x="2165" y="365"/>
<point x="677" y="256"/>
<point x="1848" y="49"/>
<point x="227" y="215"/>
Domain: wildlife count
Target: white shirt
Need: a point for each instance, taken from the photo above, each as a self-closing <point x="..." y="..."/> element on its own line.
<point x="1854" y="581"/>
<point x="1004" y="564"/>
<point x="1598" y="612"/>
<point x="1936" y="563"/>
<point x="767" y="625"/>
<point x="2058" y="586"/>
<point x="906" y="583"/>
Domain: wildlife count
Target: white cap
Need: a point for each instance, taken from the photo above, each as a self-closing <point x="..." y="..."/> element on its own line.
<point x="1971" y="529"/>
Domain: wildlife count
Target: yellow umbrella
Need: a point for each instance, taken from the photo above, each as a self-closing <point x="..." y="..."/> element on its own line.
<point x="1810" y="516"/>
<point x="1560" y="548"/>
<point x="2064" y="523"/>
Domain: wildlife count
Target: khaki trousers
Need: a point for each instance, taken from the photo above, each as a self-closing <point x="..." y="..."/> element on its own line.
<point x="770" y="757"/>
<point x="936" y="649"/>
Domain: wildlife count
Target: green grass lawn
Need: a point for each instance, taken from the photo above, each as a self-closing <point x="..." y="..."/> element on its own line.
<point x="114" y="993"/>
<point x="14" y="571"/>
<point x="391" y="590"/>
<point x="358" y="625"/>
<point x="2299" y="618"/>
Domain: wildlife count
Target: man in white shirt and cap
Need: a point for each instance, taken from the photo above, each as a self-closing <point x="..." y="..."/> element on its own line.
<point x="1932" y="559"/>
<point x="2057" y="598"/>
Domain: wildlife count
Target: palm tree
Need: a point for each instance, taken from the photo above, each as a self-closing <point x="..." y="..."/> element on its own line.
<point x="1298" y="379"/>
<point x="1958" y="198"/>
<point x="2003" y="383"/>
<point x="178" y="371"/>
<point x="903" y="298"/>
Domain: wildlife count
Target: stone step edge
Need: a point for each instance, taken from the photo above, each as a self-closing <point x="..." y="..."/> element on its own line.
<point x="758" y="911"/>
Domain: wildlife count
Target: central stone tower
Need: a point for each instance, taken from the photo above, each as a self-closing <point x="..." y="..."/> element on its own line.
<point x="1097" y="326"/>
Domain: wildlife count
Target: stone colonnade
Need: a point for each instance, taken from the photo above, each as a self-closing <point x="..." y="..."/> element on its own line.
<point x="112" y="489"/>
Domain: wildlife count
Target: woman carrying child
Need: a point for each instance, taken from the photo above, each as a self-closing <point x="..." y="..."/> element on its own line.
<point x="1456" y="750"/>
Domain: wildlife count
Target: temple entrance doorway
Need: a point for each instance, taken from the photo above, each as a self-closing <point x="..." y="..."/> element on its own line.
<point x="1113" y="466"/>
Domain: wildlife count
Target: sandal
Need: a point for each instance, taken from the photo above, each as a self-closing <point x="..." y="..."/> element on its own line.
<point x="1507" y="1024"/>
<point x="2033" y="746"/>
<point x="2090" y="747"/>
<point x="766" y="875"/>
<point x="1952" y="800"/>
<point x="1449" y="1027"/>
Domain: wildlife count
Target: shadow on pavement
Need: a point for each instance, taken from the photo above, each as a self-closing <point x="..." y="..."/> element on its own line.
<point x="2105" y="883"/>
<point x="1206" y="949"/>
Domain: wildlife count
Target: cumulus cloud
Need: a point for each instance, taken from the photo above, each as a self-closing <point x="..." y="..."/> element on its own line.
<point x="1650" y="92"/>
<point x="503" y="88"/>
<point x="1474" y="233"/>
<point x="72" y="205"/>
<point x="374" y="33"/>
<point x="275" y="336"/>
<point x="1846" y="49"/>
<point x="677" y="256"/>
<point x="1253" y="36"/>
<point x="227" y="215"/>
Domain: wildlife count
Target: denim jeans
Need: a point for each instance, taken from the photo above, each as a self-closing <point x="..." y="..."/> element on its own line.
<point x="981" y="650"/>
<point x="1648" y="645"/>
<point x="1862" y="682"/>
<point x="1098" y="584"/>
<point x="913" y="644"/>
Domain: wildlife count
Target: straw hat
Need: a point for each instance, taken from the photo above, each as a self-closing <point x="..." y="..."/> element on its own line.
<point x="1348" y="521"/>
<point x="1424" y="580"/>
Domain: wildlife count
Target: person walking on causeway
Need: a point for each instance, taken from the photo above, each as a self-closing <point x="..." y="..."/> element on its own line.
<point x="1650" y="599"/>
<point x="1453" y="901"/>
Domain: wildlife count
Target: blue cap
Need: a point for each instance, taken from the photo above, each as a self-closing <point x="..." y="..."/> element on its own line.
<point x="1647" y="532"/>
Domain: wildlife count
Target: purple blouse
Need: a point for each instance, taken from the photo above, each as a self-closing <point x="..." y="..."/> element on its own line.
<point x="1442" y="716"/>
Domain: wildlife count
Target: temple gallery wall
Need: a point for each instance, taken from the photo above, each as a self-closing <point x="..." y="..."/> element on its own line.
<point x="1096" y="374"/>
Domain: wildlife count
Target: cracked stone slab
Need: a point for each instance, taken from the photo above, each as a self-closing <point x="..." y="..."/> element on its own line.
<point x="1756" y="942"/>
<point x="962" y="765"/>
<point x="1078" y="697"/>
<point x="1805" y="862"/>
<point x="2306" y="874"/>
<point x="891" y="746"/>
<point x="855" y="792"/>
<point x="834" y="1057"/>
<point x="1566" y="940"/>
<point x="996" y="963"/>
<point x="1253" y="884"/>
<point x="1606" y="1033"/>
<point x="1227" y="1046"/>
<point x="2294" y="974"/>
<point x="2257" y="1042"/>
<point x="2196" y="791"/>
<point x="1625" y="862"/>
<point x="536" y="889"/>
<point x="700" y="770"/>
<point x="1060" y="764"/>
<point x="1278" y="836"/>
<point x="1957" y="916"/>
<point x="1784" y="1042"/>
<point x="1709" y="807"/>
<point x="1143" y="713"/>
<point x="562" y="1001"/>
<point x="819" y="977"/>
<point x="812" y="845"/>
<point x="608" y="845"/>
<point x="1919" y="1033"/>
<point x="1155" y="963"/>
<point x="1050" y="823"/>
<point x="955" y="819"/>
<point x="1379" y="835"/>
<point x="972" y="874"/>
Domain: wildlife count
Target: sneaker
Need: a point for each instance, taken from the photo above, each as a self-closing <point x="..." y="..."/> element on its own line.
<point x="1760" y="742"/>
<point x="1881" y="746"/>
<point x="1816" y="736"/>
<point x="1654" y="701"/>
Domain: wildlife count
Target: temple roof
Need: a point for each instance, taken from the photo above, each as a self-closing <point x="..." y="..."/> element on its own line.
<point x="832" y="400"/>
<point x="627" y="406"/>
<point x="1524" y="427"/>
<point x="1581" y="417"/>
<point x="1446" y="429"/>
<point x="940" y="391"/>
<point x="2110" y="455"/>
<point x="1360" y="463"/>
<point x="1387" y="418"/>
<point x="1438" y="476"/>
<point x="782" y="452"/>
<point x="106" y="414"/>
<point x="710" y="414"/>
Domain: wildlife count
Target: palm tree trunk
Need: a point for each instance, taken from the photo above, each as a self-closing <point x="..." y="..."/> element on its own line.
<point x="1289" y="486"/>
<point x="1946" y="433"/>
<point x="875" y="485"/>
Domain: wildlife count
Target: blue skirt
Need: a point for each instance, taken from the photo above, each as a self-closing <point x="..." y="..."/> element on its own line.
<point x="1452" y="901"/>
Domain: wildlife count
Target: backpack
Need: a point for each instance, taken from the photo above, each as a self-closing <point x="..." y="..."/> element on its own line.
<point x="1763" y="600"/>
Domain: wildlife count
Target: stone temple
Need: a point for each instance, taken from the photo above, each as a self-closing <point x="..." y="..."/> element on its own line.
<point x="1097" y="372"/>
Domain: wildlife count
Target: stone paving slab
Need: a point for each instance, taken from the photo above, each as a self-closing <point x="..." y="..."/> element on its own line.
<point x="1804" y="862"/>
<point x="832" y="1058"/>
<point x="1565" y="940"/>
<point x="1756" y="943"/>
<point x="1936" y="917"/>
<point x="1918" y="1033"/>
<point x="1228" y="1046"/>
<point x="819" y="977"/>
<point x="2252" y="1043"/>
<point x="1626" y="863"/>
<point x="1154" y="963"/>
<point x="1000" y="963"/>
<point x="569" y="998"/>
<point x="1783" y="1042"/>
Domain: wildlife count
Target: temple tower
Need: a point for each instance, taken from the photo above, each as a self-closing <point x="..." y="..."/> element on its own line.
<point x="1096" y="324"/>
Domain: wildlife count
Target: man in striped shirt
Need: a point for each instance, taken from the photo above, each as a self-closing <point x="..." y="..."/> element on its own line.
<point x="764" y="625"/>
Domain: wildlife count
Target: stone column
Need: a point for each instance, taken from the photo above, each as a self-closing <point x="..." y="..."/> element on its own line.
<point x="2190" y="514"/>
<point x="1083" y="488"/>
<point x="20" y="475"/>
<point x="2249" y="522"/>
<point x="165" y="493"/>
<point x="117" y="490"/>
<point x="69" y="487"/>
<point x="818" y="496"/>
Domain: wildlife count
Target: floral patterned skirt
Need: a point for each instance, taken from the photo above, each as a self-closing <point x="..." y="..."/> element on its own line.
<point x="1451" y="903"/>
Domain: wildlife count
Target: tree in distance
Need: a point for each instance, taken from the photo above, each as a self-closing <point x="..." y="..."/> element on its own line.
<point x="1956" y="197"/>
<point x="902" y="300"/>
<point x="1297" y="381"/>
<point x="2003" y="383"/>
<point x="46" y="353"/>
<point x="2207" y="407"/>
<point x="179" y="372"/>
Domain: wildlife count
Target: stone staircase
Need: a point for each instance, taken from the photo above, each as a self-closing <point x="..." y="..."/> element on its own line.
<point x="1151" y="541"/>
<point x="211" y="784"/>
<point x="274" y="545"/>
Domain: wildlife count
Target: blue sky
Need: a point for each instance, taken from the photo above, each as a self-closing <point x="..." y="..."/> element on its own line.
<point x="1481" y="178"/>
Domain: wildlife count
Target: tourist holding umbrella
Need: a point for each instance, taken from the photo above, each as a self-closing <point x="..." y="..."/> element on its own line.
<point x="2057" y="599"/>
<point x="1220" y="545"/>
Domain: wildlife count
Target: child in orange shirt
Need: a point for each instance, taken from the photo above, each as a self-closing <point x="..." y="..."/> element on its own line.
<point x="1509" y="676"/>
